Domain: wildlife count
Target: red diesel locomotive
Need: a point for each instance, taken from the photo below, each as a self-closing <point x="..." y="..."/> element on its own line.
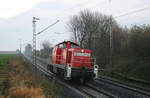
<point x="73" y="62"/>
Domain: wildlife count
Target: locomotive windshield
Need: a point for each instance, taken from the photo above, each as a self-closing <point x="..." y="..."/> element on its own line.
<point x="74" y="46"/>
<point x="63" y="46"/>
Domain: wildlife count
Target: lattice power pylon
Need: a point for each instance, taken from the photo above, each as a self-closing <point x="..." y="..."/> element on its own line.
<point x="34" y="40"/>
<point x="35" y="34"/>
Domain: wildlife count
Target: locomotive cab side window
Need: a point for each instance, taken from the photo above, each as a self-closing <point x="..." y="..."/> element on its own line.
<point x="61" y="46"/>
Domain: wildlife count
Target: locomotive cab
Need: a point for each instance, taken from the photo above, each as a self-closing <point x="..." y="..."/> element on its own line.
<point x="73" y="62"/>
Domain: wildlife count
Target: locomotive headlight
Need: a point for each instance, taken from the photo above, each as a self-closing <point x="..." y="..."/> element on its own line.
<point x="95" y="69"/>
<point x="69" y="67"/>
<point x="82" y="50"/>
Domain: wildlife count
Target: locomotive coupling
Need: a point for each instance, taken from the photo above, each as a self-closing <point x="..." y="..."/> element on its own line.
<point x="96" y="71"/>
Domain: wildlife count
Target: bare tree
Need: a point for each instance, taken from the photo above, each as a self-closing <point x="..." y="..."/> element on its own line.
<point x="86" y="26"/>
<point x="91" y="31"/>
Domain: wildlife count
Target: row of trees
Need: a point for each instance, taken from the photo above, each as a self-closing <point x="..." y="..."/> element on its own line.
<point x="131" y="51"/>
<point x="46" y="50"/>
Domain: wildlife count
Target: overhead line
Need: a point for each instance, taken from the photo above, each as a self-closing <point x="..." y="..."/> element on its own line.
<point x="132" y="12"/>
<point x="47" y="27"/>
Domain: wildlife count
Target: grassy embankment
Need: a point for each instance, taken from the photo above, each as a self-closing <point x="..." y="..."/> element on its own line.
<point x="4" y="61"/>
<point x="22" y="82"/>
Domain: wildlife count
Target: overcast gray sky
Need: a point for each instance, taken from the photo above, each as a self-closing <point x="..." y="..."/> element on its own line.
<point x="16" y="18"/>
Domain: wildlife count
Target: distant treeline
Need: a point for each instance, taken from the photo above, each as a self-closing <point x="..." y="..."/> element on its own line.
<point x="46" y="50"/>
<point x="131" y="46"/>
<point x="8" y="52"/>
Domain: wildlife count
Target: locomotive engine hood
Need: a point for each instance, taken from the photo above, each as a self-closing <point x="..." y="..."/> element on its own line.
<point x="80" y="57"/>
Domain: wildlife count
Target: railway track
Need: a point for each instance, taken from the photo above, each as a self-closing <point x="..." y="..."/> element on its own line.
<point x="137" y="92"/>
<point x="85" y="91"/>
<point x="101" y="88"/>
<point x="90" y="91"/>
<point x="123" y="83"/>
<point x="3" y="76"/>
<point x="120" y="90"/>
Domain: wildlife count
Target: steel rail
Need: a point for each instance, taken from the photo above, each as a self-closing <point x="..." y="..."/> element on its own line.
<point x="120" y="82"/>
<point x="100" y="90"/>
<point x="87" y="93"/>
<point x="124" y="86"/>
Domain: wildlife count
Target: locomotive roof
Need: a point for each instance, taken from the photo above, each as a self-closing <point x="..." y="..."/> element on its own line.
<point x="66" y="42"/>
